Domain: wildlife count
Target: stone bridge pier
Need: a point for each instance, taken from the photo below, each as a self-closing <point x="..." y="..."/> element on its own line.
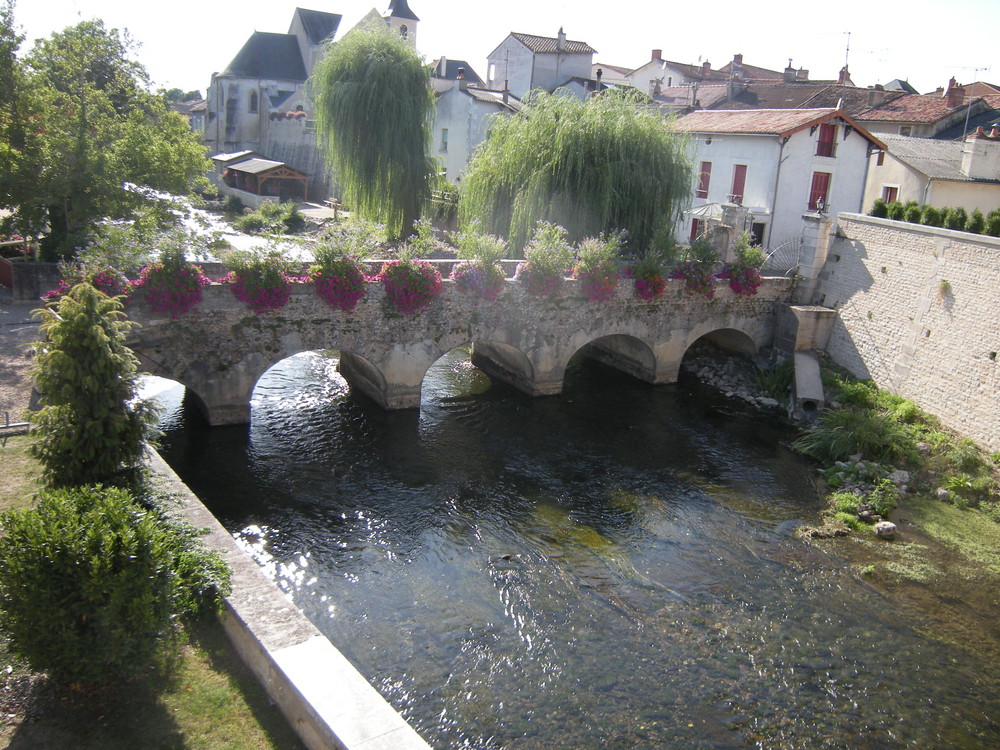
<point x="220" y="350"/>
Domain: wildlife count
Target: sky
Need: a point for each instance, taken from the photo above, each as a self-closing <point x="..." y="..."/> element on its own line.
<point x="182" y="42"/>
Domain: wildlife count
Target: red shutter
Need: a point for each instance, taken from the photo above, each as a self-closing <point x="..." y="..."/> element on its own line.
<point x="820" y="188"/>
<point x="704" y="178"/>
<point x="739" y="183"/>
<point x="827" y="140"/>
<point x="695" y="229"/>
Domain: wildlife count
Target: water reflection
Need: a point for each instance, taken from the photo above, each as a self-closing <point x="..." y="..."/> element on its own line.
<point x="610" y="568"/>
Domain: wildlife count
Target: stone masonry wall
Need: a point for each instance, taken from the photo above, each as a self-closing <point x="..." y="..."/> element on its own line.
<point x="919" y="313"/>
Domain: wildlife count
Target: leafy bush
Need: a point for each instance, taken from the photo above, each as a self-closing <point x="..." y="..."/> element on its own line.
<point x="992" y="224"/>
<point x="87" y="585"/>
<point x="913" y="213"/>
<point x="232" y="204"/>
<point x="481" y="274"/>
<point x="879" y="209"/>
<point x="976" y="223"/>
<point x="597" y="266"/>
<point x="547" y="257"/>
<point x="92" y="427"/>
<point x="273" y="218"/>
<point x="172" y="284"/>
<point x="850" y="520"/>
<point x="841" y="433"/>
<point x="883" y="498"/>
<point x="896" y="211"/>
<point x="743" y="273"/>
<point x="930" y="216"/>
<point x="846" y="502"/>
<point x="777" y="379"/>
<point x="956" y="218"/>
<point x="260" y="278"/>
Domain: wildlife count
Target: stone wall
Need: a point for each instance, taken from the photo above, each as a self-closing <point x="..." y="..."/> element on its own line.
<point x="919" y="313"/>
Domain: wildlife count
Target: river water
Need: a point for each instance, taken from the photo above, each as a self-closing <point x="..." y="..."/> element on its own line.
<point x="614" y="567"/>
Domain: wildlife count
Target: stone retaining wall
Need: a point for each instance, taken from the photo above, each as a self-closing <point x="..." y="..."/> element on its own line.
<point x="919" y="313"/>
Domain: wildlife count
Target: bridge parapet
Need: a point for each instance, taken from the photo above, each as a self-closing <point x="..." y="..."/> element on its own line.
<point x="220" y="349"/>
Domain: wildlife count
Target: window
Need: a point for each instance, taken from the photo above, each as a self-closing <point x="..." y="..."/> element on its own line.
<point x="890" y="193"/>
<point x="881" y="159"/>
<point x="254" y="102"/>
<point x="704" y="178"/>
<point x="819" y="191"/>
<point x="444" y="140"/>
<point x="905" y="129"/>
<point x="757" y="229"/>
<point x="827" y="144"/>
<point x="695" y="229"/>
<point x="739" y="184"/>
<point x="403" y="31"/>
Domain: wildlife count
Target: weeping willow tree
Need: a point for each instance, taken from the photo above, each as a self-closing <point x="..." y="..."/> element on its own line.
<point x="373" y="113"/>
<point x="609" y="163"/>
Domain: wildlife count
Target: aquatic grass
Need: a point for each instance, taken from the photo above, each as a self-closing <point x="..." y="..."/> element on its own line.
<point x="841" y="433"/>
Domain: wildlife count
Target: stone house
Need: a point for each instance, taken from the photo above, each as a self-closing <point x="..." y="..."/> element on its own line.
<point x="940" y="173"/>
<point x="523" y="62"/>
<point x="778" y="164"/>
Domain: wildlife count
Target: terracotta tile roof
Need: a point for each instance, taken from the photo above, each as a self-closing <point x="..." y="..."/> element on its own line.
<point x="676" y="98"/>
<point x="851" y="99"/>
<point x="777" y="122"/>
<point x="981" y="88"/>
<point x="545" y="44"/>
<point x="772" y="95"/>
<point x="909" y="108"/>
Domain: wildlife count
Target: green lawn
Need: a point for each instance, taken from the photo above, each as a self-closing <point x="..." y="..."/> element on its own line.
<point x="208" y="700"/>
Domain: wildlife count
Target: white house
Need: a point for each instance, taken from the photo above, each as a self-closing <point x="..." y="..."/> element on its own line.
<point x="944" y="174"/>
<point x="461" y="122"/>
<point x="658" y="74"/>
<point x="778" y="163"/>
<point x="524" y="62"/>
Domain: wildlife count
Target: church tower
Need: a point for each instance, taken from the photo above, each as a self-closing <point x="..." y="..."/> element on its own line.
<point x="403" y="20"/>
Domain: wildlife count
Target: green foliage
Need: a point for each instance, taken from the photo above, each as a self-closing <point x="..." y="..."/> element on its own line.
<point x="992" y="224"/>
<point x="850" y="520"/>
<point x="485" y="248"/>
<point x="272" y="218"/>
<point x="597" y="266"/>
<point x="846" y="502"/>
<point x="90" y="583"/>
<point x="547" y="258"/>
<point x="777" y="379"/>
<point x="92" y="428"/>
<point x="896" y="211"/>
<point x="259" y="277"/>
<point x="96" y="130"/>
<point x="930" y="216"/>
<point x="597" y="166"/>
<point x="879" y="209"/>
<point x="913" y="213"/>
<point x="357" y="237"/>
<point x="233" y="204"/>
<point x="956" y="218"/>
<point x="841" y="433"/>
<point x="883" y="497"/>
<point x="976" y="223"/>
<point x="374" y="106"/>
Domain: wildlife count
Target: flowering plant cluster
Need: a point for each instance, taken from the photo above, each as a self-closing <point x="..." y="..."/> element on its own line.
<point x="742" y="279"/>
<point x="171" y="287"/>
<point x="108" y="282"/>
<point x="480" y="279"/>
<point x="597" y="267"/>
<point x="260" y="281"/>
<point x="547" y="257"/>
<point x="340" y="282"/>
<point x="698" y="278"/>
<point x="649" y="285"/>
<point x="410" y="284"/>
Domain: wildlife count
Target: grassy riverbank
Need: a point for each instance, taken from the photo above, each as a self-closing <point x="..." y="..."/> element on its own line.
<point x="207" y="700"/>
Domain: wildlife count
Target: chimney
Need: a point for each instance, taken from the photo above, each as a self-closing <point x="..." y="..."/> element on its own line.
<point x="789" y="72"/>
<point x="802" y="74"/>
<point x="443" y="67"/>
<point x="981" y="155"/>
<point x="657" y="54"/>
<point x="460" y="81"/>
<point x="600" y="75"/>
<point x="844" y="79"/>
<point x="706" y="68"/>
<point x="561" y="40"/>
<point x="506" y="91"/>
<point x="955" y="94"/>
<point x="876" y="95"/>
<point x="737" y="59"/>
<point x="694" y="93"/>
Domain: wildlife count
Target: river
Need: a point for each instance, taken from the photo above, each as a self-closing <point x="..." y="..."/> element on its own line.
<point x="614" y="567"/>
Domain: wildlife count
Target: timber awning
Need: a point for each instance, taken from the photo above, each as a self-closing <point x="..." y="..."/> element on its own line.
<point x="267" y="177"/>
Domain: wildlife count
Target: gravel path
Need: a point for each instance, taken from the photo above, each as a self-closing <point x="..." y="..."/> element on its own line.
<point x="17" y="329"/>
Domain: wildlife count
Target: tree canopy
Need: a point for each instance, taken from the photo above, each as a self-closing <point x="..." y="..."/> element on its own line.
<point x="373" y="112"/>
<point x="606" y="164"/>
<point x="81" y="131"/>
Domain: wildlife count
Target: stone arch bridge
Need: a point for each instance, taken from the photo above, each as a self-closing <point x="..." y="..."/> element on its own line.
<point x="219" y="350"/>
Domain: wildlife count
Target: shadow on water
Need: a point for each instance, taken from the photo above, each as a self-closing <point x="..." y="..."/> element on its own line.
<point x="613" y="567"/>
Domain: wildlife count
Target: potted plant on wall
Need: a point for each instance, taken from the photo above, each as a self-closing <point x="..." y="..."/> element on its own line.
<point x="697" y="268"/>
<point x="260" y="278"/>
<point x="480" y="273"/>
<point x="172" y="284"/>
<point x="743" y="273"/>
<point x="597" y="266"/>
<point x="339" y="273"/>
<point x="547" y="257"/>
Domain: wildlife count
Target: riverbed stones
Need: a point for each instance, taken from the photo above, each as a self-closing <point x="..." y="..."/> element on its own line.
<point x="885" y="530"/>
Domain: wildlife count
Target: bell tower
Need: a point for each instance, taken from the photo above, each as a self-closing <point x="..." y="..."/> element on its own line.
<point x="403" y="20"/>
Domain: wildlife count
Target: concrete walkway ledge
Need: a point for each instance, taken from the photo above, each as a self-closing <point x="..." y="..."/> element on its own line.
<point x="325" y="699"/>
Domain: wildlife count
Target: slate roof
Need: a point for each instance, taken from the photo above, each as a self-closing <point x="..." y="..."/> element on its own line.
<point x="547" y="44"/>
<point x="695" y="72"/>
<point x="771" y="95"/>
<point x="898" y="85"/>
<point x="986" y="120"/>
<point x="451" y="71"/>
<point x="910" y="108"/>
<point x="268" y="55"/>
<point x="676" y="98"/>
<point x="753" y="72"/>
<point x="778" y="122"/>
<point x="494" y="97"/>
<point x="318" y="25"/>
<point x="939" y="160"/>
<point x="399" y="9"/>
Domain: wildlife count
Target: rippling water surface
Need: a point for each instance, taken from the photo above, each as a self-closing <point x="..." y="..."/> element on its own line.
<point x="613" y="567"/>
